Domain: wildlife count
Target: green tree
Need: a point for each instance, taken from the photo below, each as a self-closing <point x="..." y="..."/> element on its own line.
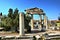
<point x="27" y="21"/>
<point x="11" y="21"/>
<point x="15" y="13"/>
<point x="10" y="14"/>
<point x="6" y="22"/>
<point x="59" y="18"/>
<point x="16" y="19"/>
<point x="0" y="19"/>
<point x="10" y="18"/>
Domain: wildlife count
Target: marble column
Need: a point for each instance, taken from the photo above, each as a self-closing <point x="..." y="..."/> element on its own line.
<point x="40" y="21"/>
<point x="45" y="21"/>
<point x="21" y="24"/>
<point x="32" y="25"/>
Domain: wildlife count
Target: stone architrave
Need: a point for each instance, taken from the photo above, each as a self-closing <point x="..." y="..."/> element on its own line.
<point x="21" y="24"/>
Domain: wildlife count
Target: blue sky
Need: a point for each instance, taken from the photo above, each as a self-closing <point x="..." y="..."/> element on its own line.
<point x="50" y="7"/>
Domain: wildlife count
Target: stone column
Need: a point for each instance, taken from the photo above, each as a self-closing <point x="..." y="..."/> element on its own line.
<point x="45" y="21"/>
<point x="40" y="21"/>
<point x="32" y="25"/>
<point x="21" y="24"/>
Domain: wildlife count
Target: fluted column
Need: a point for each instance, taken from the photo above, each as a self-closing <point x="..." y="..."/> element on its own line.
<point x="45" y="20"/>
<point x="40" y="21"/>
<point x="21" y="24"/>
<point x="32" y="25"/>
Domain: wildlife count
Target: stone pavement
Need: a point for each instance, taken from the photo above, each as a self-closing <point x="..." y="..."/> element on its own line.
<point x="37" y="32"/>
<point x="30" y="35"/>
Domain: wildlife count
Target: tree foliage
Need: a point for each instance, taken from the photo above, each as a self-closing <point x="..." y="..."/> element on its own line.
<point x="11" y="21"/>
<point x="27" y="21"/>
<point x="10" y="14"/>
<point x="59" y="18"/>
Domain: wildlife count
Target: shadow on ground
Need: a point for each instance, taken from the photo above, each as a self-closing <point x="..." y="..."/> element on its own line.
<point x="36" y="31"/>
